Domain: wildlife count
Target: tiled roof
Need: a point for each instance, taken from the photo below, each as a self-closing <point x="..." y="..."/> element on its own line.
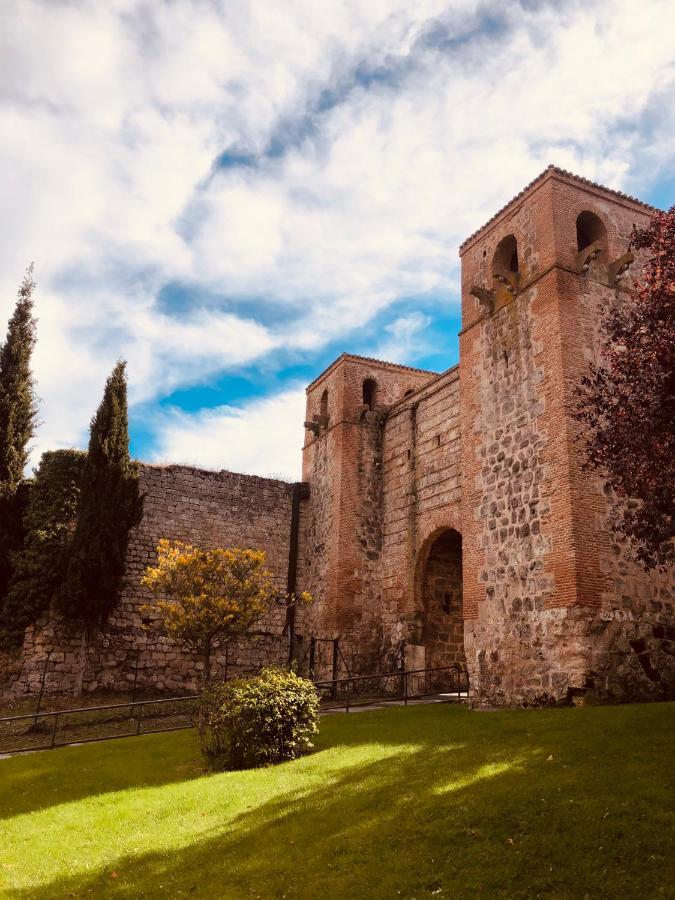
<point x="540" y="177"/>
<point x="381" y="362"/>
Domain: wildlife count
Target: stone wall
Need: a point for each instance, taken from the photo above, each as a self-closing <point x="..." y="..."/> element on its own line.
<point x="404" y="467"/>
<point x="422" y="493"/>
<point x="208" y="509"/>
<point x="553" y="608"/>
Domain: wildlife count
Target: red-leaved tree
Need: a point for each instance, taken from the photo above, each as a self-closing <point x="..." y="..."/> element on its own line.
<point x="627" y="402"/>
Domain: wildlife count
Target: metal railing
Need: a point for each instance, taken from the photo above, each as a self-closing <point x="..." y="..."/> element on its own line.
<point x="47" y="730"/>
<point x="401" y="685"/>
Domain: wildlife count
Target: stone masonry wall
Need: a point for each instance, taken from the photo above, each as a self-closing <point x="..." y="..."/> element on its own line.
<point x="553" y="608"/>
<point x="421" y="500"/>
<point x="208" y="509"/>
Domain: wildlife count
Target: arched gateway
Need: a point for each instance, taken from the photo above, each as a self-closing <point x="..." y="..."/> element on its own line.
<point x="440" y="613"/>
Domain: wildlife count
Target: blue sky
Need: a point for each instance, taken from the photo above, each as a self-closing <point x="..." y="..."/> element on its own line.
<point x="230" y="194"/>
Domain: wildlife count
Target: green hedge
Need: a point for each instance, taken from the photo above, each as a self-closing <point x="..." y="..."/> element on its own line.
<point x="251" y="722"/>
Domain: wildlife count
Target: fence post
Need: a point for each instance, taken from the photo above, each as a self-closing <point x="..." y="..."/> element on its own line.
<point x="348" y="691"/>
<point x="140" y="716"/>
<point x="336" y="647"/>
<point x="56" y="719"/>
<point x="405" y="688"/>
<point x="312" y="651"/>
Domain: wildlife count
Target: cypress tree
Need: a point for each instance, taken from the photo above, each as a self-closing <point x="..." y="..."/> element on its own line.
<point x="109" y="506"/>
<point x="18" y="409"/>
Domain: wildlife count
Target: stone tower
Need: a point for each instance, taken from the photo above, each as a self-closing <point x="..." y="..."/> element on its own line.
<point x="450" y="512"/>
<point x="552" y="605"/>
<point x="342" y="463"/>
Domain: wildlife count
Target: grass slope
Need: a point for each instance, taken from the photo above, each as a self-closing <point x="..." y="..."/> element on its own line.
<point x="428" y="801"/>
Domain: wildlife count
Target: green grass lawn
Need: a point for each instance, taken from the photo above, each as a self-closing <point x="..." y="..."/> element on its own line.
<point x="419" y="802"/>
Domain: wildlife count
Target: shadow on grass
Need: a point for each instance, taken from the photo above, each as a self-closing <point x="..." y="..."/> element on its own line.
<point x="36" y="781"/>
<point x="473" y="806"/>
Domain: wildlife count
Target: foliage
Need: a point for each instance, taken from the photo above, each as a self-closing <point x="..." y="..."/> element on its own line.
<point x="209" y="597"/>
<point x="109" y="506"/>
<point x="18" y="407"/>
<point x="40" y="566"/>
<point x="252" y="722"/>
<point x="628" y="402"/>
<point x="18" y="410"/>
<point x="431" y="801"/>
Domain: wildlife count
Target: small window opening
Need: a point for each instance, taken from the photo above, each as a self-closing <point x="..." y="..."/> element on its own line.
<point x="409" y="392"/>
<point x="590" y="230"/>
<point x="323" y="409"/>
<point x="506" y="256"/>
<point x="369" y="391"/>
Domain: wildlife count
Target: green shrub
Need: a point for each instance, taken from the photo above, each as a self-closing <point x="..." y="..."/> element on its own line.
<point x="251" y="722"/>
<point x="39" y="566"/>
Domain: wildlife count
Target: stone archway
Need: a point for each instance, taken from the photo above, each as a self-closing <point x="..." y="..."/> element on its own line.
<point x="439" y="600"/>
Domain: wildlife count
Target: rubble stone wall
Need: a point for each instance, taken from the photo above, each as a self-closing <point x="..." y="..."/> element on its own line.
<point x="207" y="509"/>
<point x="554" y="608"/>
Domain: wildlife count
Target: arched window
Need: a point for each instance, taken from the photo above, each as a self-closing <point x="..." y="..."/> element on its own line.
<point x="505" y="259"/>
<point x="369" y="392"/>
<point x="323" y="409"/>
<point x="590" y="230"/>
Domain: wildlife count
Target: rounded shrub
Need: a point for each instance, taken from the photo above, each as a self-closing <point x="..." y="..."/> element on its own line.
<point x="251" y="722"/>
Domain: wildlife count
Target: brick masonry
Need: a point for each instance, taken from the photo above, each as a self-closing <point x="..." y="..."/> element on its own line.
<point x="551" y="607"/>
<point x="447" y="514"/>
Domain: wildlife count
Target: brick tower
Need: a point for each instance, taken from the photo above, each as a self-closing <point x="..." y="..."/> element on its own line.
<point x="552" y="606"/>
<point x="342" y="463"/>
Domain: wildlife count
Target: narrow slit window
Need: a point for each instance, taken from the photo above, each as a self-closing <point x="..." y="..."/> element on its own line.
<point x="369" y="393"/>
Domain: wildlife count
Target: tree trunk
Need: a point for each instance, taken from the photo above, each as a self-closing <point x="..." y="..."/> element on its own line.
<point x="206" y="671"/>
<point x="206" y="677"/>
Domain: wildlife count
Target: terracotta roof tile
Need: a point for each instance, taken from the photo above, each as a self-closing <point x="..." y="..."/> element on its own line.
<point x="382" y="362"/>
<point x="536" y="181"/>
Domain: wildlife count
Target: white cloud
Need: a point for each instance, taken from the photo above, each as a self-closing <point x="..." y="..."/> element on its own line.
<point x="263" y="437"/>
<point x="404" y="338"/>
<point x="407" y="126"/>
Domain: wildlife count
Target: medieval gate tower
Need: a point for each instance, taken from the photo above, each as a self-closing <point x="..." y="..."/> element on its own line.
<point x="451" y="511"/>
<point x="445" y="513"/>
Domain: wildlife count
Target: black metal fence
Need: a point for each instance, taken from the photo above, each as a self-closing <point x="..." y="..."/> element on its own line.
<point x="404" y="685"/>
<point x="47" y="730"/>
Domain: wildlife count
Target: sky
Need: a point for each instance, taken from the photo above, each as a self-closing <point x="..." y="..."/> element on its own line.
<point x="229" y="194"/>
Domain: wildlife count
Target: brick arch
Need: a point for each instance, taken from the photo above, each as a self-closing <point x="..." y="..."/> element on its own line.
<point x="439" y="609"/>
<point x="431" y="524"/>
<point x="615" y="243"/>
<point x="431" y="527"/>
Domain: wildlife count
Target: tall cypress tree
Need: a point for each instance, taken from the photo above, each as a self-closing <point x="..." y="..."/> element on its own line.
<point x="18" y="409"/>
<point x="109" y="506"/>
